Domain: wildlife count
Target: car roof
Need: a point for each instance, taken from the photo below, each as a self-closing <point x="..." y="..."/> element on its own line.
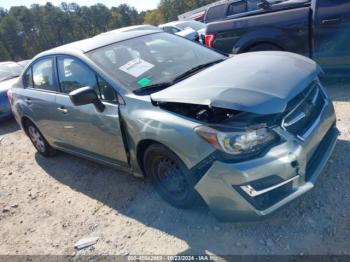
<point x="100" y="40"/>
<point x="130" y="28"/>
<point x="7" y="62"/>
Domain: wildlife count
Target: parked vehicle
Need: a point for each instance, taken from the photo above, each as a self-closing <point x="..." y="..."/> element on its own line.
<point x="9" y="73"/>
<point x="319" y="29"/>
<point x="193" y="121"/>
<point x="186" y="29"/>
<point x="23" y="63"/>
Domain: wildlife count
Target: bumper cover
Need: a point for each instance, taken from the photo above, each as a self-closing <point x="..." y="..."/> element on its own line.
<point x="294" y="165"/>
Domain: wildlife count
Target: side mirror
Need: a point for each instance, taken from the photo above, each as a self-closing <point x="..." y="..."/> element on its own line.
<point x="84" y="96"/>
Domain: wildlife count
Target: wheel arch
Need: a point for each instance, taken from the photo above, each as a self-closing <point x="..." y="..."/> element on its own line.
<point x="25" y="120"/>
<point x="141" y="149"/>
<point x="247" y="48"/>
<point x="266" y="35"/>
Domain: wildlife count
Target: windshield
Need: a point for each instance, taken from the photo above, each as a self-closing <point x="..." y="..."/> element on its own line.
<point x="9" y="70"/>
<point x="151" y="59"/>
<point x="192" y="24"/>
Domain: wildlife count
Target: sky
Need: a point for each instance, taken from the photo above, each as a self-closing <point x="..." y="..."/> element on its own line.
<point x="140" y="5"/>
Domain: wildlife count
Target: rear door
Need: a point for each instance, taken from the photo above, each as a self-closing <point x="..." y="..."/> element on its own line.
<point x="332" y="35"/>
<point x="40" y="89"/>
<point x="82" y="128"/>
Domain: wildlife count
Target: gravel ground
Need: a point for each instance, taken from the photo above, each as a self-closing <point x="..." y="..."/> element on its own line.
<point x="46" y="205"/>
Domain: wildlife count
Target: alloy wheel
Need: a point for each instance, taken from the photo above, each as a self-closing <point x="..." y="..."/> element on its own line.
<point x="37" y="139"/>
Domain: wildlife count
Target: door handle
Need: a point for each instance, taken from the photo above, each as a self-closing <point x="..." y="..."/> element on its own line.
<point x="62" y="109"/>
<point x="331" y="21"/>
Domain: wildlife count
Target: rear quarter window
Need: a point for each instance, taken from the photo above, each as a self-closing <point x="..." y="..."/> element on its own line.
<point x="28" y="78"/>
<point x="43" y="77"/>
<point x="237" y="8"/>
<point x="215" y="13"/>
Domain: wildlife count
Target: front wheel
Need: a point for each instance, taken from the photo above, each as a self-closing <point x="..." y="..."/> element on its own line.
<point x="39" y="141"/>
<point x="170" y="177"/>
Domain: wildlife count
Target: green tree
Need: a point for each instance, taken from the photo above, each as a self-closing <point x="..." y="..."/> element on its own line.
<point x="24" y="32"/>
<point x="153" y="17"/>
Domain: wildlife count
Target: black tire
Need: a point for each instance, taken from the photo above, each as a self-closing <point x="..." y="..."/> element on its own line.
<point x="38" y="140"/>
<point x="170" y="177"/>
<point x="264" y="47"/>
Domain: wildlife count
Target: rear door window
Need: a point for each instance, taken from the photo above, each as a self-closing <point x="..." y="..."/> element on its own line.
<point x="43" y="77"/>
<point x="215" y="13"/>
<point x="28" y="78"/>
<point x="237" y="8"/>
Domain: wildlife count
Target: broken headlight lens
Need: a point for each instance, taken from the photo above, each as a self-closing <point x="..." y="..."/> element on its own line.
<point x="239" y="143"/>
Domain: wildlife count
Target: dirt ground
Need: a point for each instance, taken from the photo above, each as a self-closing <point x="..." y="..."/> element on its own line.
<point x="46" y="205"/>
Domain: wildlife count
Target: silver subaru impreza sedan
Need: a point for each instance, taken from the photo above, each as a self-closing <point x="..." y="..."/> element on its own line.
<point x="246" y="134"/>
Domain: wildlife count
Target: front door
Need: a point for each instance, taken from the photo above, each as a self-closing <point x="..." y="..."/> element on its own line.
<point x="83" y="129"/>
<point x="332" y="35"/>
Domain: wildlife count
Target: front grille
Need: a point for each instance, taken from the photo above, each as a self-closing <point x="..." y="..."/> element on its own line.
<point x="304" y="110"/>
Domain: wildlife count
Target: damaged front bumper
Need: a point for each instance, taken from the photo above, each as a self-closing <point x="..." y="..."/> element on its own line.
<point x="253" y="189"/>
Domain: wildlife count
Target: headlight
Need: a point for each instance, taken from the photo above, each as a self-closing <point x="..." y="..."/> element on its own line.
<point x="238" y="143"/>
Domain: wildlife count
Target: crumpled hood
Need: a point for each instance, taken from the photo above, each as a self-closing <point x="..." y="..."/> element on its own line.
<point x="260" y="82"/>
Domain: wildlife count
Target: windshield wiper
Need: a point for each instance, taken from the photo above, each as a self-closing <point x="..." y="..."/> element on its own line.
<point x="160" y="86"/>
<point x="152" y="88"/>
<point x="195" y="69"/>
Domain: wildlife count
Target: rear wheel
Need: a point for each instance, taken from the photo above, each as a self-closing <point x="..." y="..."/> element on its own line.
<point x="170" y="177"/>
<point x="39" y="141"/>
<point x="264" y="47"/>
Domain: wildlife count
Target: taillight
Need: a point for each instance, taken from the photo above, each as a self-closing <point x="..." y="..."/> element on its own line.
<point x="209" y="40"/>
<point x="10" y="96"/>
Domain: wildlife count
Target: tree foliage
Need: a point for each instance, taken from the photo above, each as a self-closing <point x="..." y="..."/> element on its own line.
<point x="24" y="31"/>
<point x="170" y="9"/>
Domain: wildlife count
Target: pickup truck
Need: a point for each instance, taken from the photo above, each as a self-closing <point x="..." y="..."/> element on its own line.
<point x="319" y="29"/>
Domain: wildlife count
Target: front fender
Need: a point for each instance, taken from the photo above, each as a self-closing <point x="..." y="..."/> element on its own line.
<point x="144" y="121"/>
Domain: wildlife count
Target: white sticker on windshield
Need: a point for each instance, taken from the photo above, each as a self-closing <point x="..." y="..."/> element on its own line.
<point x="136" y="67"/>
